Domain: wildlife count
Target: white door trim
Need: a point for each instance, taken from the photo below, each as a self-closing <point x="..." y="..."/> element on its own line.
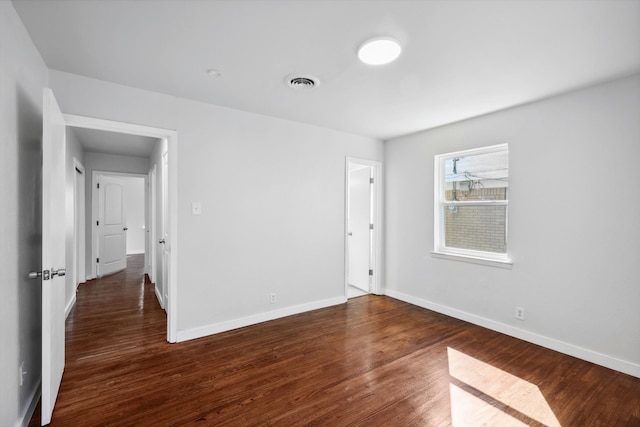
<point x="376" y="241"/>
<point x="172" y="138"/>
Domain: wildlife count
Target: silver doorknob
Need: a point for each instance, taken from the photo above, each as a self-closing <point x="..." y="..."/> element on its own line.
<point x="60" y="272"/>
<point x="350" y="234"/>
<point x="125" y="228"/>
<point x="47" y="274"/>
<point x="161" y="241"/>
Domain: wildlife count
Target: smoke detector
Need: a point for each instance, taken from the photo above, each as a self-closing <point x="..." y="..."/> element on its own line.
<point x="302" y="81"/>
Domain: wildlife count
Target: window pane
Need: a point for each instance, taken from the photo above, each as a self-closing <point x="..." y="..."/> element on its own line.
<point x="479" y="228"/>
<point x="477" y="177"/>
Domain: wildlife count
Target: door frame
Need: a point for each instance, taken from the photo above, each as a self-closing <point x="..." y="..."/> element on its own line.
<point x="172" y="141"/>
<point x="95" y="207"/>
<point x="376" y="236"/>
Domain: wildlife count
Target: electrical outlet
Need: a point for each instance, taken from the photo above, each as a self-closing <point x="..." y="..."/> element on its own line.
<point x="21" y="373"/>
<point x="272" y="298"/>
<point x="519" y="313"/>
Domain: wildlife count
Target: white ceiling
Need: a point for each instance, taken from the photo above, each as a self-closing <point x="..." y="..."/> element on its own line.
<point x="461" y="58"/>
<point x="98" y="141"/>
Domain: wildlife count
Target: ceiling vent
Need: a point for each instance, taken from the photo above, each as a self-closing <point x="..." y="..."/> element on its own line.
<point x="302" y="81"/>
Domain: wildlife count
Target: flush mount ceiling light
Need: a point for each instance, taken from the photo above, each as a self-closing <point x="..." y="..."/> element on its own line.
<point x="302" y="81"/>
<point x="379" y="51"/>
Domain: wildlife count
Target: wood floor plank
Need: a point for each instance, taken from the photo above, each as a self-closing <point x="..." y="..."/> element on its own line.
<point x="374" y="361"/>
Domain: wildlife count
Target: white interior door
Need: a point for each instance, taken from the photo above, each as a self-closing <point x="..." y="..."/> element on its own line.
<point x="112" y="238"/>
<point x="79" y="224"/>
<point x="53" y="252"/>
<point x="166" y="242"/>
<point x="359" y="228"/>
<point x="151" y="229"/>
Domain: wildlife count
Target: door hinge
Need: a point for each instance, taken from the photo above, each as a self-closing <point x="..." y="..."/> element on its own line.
<point x="98" y="260"/>
<point x="98" y="185"/>
<point x="370" y="226"/>
<point x="370" y="180"/>
<point x="97" y="222"/>
<point x="370" y="272"/>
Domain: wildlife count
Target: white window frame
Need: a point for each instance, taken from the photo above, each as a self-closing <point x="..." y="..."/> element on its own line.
<point x="440" y="203"/>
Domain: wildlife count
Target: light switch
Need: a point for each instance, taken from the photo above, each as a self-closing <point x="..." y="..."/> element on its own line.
<point x="196" y="208"/>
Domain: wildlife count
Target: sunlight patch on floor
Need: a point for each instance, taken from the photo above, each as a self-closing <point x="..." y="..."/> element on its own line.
<point x="483" y="380"/>
<point x="469" y="410"/>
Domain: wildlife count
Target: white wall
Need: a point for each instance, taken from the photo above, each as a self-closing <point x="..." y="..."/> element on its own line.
<point x="272" y="194"/>
<point x="574" y="233"/>
<point x="105" y="163"/>
<point x="73" y="150"/>
<point x="134" y="199"/>
<point x="22" y="77"/>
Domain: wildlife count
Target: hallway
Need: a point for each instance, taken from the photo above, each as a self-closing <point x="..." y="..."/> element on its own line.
<point x="115" y="313"/>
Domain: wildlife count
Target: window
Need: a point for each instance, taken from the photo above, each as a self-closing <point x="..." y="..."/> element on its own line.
<point x="471" y="201"/>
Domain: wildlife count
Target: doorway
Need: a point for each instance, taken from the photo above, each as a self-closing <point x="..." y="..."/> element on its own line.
<point x="119" y="220"/>
<point x="363" y="225"/>
<point x="170" y="142"/>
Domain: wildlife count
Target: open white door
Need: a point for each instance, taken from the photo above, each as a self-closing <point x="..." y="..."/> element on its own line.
<point x="53" y="252"/>
<point x="164" y="240"/>
<point x="112" y="228"/>
<point x="151" y="229"/>
<point x="363" y="226"/>
<point x="79" y="254"/>
<point x="359" y="228"/>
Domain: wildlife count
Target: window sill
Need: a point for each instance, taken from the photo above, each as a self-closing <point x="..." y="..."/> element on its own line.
<point x="474" y="260"/>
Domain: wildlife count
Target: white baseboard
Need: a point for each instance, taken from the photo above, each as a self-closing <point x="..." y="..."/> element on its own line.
<point x="70" y="305"/>
<point x="136" y="252"/>
<point x="228" y="325"/>
<point x="28" y="413"/>
<point x="544" y="341"/>
<point x="159" y="296"/>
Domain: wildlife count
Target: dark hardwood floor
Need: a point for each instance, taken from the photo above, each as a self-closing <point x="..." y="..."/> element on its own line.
<point x="375" y="361"/>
